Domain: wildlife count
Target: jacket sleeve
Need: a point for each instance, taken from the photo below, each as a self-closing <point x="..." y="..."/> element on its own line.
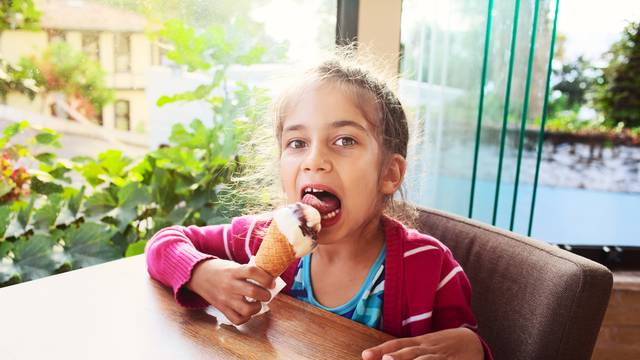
<point x="173" y="252"/>
<point x="452" y="307"/>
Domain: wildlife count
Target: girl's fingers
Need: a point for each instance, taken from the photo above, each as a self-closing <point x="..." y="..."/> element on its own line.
<point x="258" y="275"/>
<point x="253" y="291"/>
<point x="232" y="315"/>
<point x="407" y="353"/>
<point x="376" y="352"/>
<point x="246" y="308"/>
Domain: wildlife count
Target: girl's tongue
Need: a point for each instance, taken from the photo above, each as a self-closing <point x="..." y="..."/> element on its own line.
<point x="324" y="202"/>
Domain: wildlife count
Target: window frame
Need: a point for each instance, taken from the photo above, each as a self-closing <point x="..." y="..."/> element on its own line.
<point x="117" y="116"/>
<point x="117" y="53"/>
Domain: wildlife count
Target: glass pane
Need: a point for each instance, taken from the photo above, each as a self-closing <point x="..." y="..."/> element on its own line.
<point x="122" y="108"/>
<point x="588" y="175"/>
<point x="91" y="45"/>
<point x="439" y="85"/>
<point x="444" y="46"/>
<point x="122" y="52"/>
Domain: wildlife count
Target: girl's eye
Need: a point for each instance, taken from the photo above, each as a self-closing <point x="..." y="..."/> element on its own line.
<point x="296" y="144"/>
<point x="346" y="141"/>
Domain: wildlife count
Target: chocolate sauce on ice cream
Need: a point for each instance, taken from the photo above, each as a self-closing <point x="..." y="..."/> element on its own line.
<point x="306" y="230"/>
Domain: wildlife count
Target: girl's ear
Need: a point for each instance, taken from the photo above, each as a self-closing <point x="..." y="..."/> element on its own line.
<point x="393" y="174"/>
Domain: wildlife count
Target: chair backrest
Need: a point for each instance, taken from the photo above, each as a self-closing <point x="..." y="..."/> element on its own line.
<point x="532" y="300"/>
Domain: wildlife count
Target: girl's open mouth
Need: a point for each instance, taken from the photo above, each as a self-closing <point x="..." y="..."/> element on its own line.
<point x="326" y="202"/>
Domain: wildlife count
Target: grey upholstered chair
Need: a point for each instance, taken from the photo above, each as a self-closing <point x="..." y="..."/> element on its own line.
<point x="532" y="300"/>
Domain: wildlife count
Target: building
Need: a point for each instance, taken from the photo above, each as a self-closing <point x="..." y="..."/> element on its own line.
<point x="112" y="36"/>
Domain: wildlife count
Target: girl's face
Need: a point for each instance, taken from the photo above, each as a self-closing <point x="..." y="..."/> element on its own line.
<point x="331" y="160"/>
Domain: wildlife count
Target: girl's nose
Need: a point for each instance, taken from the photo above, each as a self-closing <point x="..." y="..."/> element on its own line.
<point x="316" y="160"/>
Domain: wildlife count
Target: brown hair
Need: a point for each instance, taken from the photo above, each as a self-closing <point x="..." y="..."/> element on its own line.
<point x="380" y="106"/>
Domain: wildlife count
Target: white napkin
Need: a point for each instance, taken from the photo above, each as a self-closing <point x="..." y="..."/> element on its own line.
<point x="222" y="319"/>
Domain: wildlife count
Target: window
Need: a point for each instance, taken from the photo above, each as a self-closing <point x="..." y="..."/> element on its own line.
<point x="492" y="176"/>
<point x="91" y="45"/>
<point x="99" y="118"/>
<point x="55" y="35"/>
<point x="122" y="47"/>
<point x="123" y="115"/>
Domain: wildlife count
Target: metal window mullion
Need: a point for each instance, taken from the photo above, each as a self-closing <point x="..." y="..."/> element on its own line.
<point x="523" y="121"/>
<point x="544" y="118"/>
<point x="347" y="22"/>
<point x="505" y="114"/>
<point x="487" y="38"/>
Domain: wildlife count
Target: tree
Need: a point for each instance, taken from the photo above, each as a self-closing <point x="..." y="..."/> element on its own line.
<point x="574" y="82"/>
<point x="18" y="14"/>
<point x="231" y="15"/>
<point x="14" y="15"/>
<point x="618" y="96"/>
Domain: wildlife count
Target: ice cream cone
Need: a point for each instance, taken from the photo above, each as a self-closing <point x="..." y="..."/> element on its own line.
<point x="292" y="234"/>
<point x="275" y="253"/>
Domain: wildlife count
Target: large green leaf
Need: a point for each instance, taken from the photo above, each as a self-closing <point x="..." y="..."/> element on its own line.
<point x="20" y="222"/>
<point x="13" y="129"/>
<point x="92" y="172"/>
<point x="122" y="239"/>
<point x="71" y="211"/>
<point x="60" y="169"/>
<point x="5" y="219"/>
<point x="162" y="185"/>
<point x="110" y="166"/>
<point x="45" y="216"/>
<point x="129" y="198"/>
<point x="136" y="248"/>
<point x="133" y="194"/>
<point x="45" y="187"/>
<point x="33" y="257"/>
<point x="201" y="92"/>
<point x="9" y="274"/>
<point x="89" y="244"/>
<point x="121" y="217"/>
<point x="178" y="215"/>
<point x="46" y="157"/>
<point x="114" y="162"/>
<point x="5" y="247"/>
<point x="48" y="137"/>
<point x="101" y="202"/>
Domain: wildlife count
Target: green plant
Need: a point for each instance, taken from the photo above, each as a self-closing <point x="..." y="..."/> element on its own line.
<point x="16" y="78"/>
<point x="18" y="14"/>
<point x="64" y="69"/>
<point x="83" y="211"/>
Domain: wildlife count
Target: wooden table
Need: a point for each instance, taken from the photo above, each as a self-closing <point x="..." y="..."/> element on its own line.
<point x="115" y="311"/>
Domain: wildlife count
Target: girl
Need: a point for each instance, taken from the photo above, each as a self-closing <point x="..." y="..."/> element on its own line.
<point x="343" y="138"/>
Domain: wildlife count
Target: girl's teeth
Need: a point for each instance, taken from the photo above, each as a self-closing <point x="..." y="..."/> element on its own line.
<point x="331" y="215"/>
<point x="311" y="190"/>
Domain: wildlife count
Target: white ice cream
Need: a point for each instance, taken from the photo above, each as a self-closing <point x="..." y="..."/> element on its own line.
<point x="289" y="225"/>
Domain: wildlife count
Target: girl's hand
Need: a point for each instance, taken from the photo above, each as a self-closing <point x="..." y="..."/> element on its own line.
<point x="460" y="343"/>
<point x="224" y="285"/>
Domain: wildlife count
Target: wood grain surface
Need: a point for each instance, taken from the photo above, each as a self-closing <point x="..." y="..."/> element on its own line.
<point x="115" y="311"/>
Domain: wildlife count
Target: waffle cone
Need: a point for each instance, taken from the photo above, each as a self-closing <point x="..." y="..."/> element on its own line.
<point x="275" y="253"/>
